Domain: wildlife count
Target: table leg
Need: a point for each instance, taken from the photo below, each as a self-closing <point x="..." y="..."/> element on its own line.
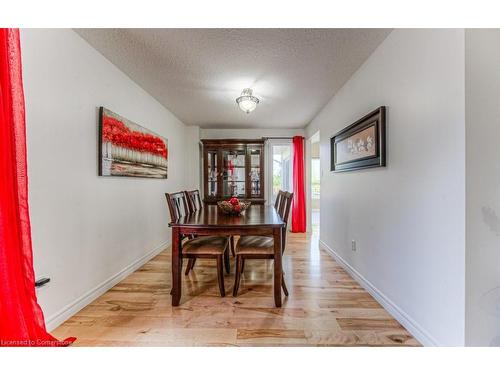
<point x="176" y="267"/>
<point x="277" y="267"/>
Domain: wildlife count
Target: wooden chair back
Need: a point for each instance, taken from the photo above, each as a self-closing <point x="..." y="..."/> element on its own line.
<point x="278" y="200"/>
<point x="194" y="200"/>
<point x="177" y="205"/>
<point x="281" y="204"/>
<point x="285" y="213"/>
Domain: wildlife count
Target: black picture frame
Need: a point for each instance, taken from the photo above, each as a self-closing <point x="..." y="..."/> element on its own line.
<point x="376" y="119"/>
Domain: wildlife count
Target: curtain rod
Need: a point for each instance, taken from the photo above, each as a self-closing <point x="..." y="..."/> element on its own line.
<point x="277" y="138"/>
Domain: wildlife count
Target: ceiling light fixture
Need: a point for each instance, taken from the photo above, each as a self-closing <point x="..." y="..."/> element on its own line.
<point x="247" y="102"/>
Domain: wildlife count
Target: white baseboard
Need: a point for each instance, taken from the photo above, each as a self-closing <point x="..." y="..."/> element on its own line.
<point x="402" y="317"/>
<point x="72" y="308"/>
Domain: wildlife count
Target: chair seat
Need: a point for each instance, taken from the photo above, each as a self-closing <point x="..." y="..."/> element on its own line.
<point x="255" y="245"/>
<point x="211" y="245"/>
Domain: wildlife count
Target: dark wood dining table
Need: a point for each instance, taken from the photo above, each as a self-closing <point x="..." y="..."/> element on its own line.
<point x="259" y="220"/>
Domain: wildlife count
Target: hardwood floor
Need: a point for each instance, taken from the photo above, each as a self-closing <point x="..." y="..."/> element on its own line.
<point x="325" y="307"/>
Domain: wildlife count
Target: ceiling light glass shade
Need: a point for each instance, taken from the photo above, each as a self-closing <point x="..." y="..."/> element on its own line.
<point x="247" y="102"/>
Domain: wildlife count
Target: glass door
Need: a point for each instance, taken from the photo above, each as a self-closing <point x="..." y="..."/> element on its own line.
<point x="233" y="173"/>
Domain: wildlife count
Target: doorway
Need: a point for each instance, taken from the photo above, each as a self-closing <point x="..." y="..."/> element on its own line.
<point x="315" y="184"/>
<point x="280" y="152"/>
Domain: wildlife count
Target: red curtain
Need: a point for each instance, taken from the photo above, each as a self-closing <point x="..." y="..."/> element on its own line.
<point x="298" y="203"/>
<point x="21" y="318"/>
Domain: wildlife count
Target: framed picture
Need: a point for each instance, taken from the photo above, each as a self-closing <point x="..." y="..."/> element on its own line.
<point x="128" y="149"/>
<point x="360" y="145"/>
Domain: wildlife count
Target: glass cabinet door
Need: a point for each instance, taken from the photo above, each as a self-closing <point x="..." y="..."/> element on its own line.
<point x="233" y="173"/>
<point x="212" y="173"/>
<point x="255" y="174"/>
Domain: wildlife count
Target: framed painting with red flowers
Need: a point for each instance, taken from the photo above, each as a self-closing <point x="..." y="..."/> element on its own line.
<point x="130" y="150"/>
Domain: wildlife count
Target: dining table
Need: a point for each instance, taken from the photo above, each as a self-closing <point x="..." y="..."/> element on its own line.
<point x="256" y="220"/>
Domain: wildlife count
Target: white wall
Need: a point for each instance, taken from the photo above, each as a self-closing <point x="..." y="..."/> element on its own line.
<point x="408" y="219"/>
<point x="248" y="133"/>
<point x="482" y="82"/>
<point x="192" y="160"/>
<point x="86" y="228"/>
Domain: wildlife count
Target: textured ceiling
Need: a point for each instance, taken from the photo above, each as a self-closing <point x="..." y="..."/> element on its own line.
<point x="198" y="73"/>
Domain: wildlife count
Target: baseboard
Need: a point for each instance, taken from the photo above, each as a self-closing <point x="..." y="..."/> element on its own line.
<point x="402" y="317"/>
<point x="72" y="308"/>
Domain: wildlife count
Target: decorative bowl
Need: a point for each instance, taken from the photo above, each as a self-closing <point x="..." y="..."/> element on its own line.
<point x="233" y="209"/>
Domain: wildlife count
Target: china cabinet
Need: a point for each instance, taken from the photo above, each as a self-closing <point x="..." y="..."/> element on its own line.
<point x="233" y="167"/>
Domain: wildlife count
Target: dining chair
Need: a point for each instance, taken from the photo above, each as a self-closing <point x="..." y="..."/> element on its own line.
<point x="262" y="247"/>
<point x="212" y="247"/>
<point x="279" y="200"/>
<point x="194" y="204"/>
<point x="178" y="206"/>
<point x="194" y="200"/>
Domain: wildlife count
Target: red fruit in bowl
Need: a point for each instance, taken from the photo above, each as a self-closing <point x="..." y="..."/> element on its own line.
<point x="237" y="208"/>
<point x="234" y="201"/>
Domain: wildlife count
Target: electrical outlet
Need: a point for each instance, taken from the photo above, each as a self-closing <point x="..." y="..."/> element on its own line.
<point x="353" y="245"/>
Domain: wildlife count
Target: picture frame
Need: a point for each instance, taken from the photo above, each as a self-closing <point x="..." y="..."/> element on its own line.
<point x="360" y="145"/>
<point x="127" y="149"/>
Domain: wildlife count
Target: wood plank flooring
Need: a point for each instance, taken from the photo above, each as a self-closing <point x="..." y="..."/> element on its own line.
<point x="326" y="307"/>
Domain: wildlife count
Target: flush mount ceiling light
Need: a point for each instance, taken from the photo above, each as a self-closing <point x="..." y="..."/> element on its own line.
<point x="247" y="102"/>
